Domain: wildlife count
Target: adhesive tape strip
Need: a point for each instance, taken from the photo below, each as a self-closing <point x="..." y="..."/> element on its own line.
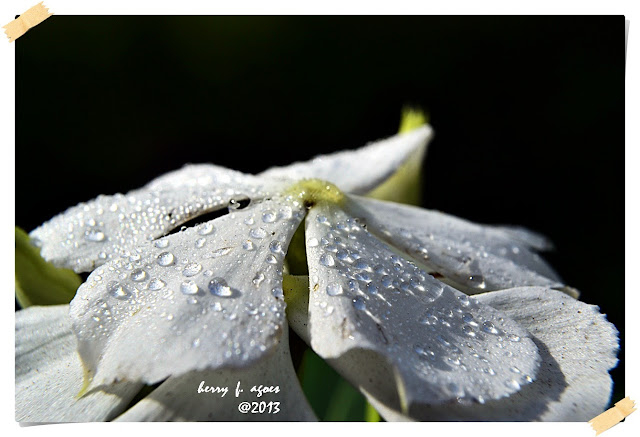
<point x="613" y="415"/>
<point x="32" y="17"/>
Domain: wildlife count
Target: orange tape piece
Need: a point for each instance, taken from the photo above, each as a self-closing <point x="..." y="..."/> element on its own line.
<point x="613" y="415"/>
<point x="32" y="17"/>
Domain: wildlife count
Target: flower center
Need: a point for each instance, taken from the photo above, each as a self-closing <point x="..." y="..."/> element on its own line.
<point x="314" y="191"/>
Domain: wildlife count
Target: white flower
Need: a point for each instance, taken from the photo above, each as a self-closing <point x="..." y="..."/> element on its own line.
<point x="385" y="302"/>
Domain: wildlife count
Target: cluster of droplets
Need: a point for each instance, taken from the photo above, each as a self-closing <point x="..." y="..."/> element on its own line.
<point x="194" y="267"/>
<point x="105" y="228"/>
<point x="457" y="335"/>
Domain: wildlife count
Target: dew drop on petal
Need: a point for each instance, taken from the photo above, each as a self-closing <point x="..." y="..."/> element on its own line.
<point x="327" y="260"/>
<point x="191" y="269"/>
<point x="94" y="235"/>
<point x="138" y="275"/>
<point x="156" y="284"/>
<point x="248" y="245"/>
<point x="359" y="304"/>
<point x="115" y="289"/>
<point x="334" y="289"/>
<point x="189" y="288"/>
<point x="206" y="229"/>
<point x="161" y="244"/>
<point x="257" y="233"/>
<point x="165" y="259"/>
<point x="269" y="216"/>
<point x="312" y="242"/>
<point x="219" y="287"/>
<point x="275" y="247"/>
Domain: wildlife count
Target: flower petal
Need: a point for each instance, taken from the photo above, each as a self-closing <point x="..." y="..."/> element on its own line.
<point x="471" y="257"/>
<point x="361" y="170"/>
<point x="578" y="347"/>
<point x="179" y="398"/>
<point x="49" y="372"/>
<point x="365" y="301"/>
<point x="207" y="297"/>
<point x="87" y="235"/>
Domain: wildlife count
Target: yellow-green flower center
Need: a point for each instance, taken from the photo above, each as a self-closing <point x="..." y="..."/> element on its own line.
<point x="313" y="191"/>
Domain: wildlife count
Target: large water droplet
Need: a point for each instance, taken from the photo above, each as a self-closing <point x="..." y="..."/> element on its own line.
<point x="161" y="244"/>
<point x="269" y="216"/>
<point x="115" y="289"/>
<point x="275" y="247"/>
<point x="219" y="287"/>
<point x="189" y="287"/>
<point x="156" y="284"/>
<point x="327" y="260"/>
<point x="359" y="304"/>
<point x="138" y="275"/>
<point x="490" y="328"/>
<point x="206" y="228"/>
<point x="165" y="259"/>
<point x="257" y="233"/>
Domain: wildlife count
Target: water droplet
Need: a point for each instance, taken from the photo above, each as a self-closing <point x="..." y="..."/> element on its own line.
<point x="334" y="289"/>
<point x="156" y="284"/>
<point x="206" y="228"/>
<point x="219" y="287"/>
<point x="94" y="235"/>
<point x="513" y="384"/>
<point x="490" y="328"/>
<point x="362" y="265"/>
<point x="220" y="252"/>
<point x="464" y="300"/>
<point x="191" y="300"/>
<point x="258" y="278"/>
<point x="217" y="306"/>
<point x="271" y="259"/>
<point x="513" y="337"/>
<point x="277" y="292"/>
<point x="387" y="281"/>
<point x="312" y="242"/>
<point x="257" y="233"/>
<point x="321" y="219"/>
<point x="275" y="247"/>
<point x="428" y="319"/>
<point x="468" y="330"/>
<point x="138" y="275"/>
<point x="189" y="287"/>
<point x="371" y="288"/>
<point x="115" y="289"/>
<point x="359" y="304"/>
<point x="248" y="245"/>
<point x="468" y="318"/>
<point x="191" y="269"/>
<point x="161" y="244"/>
<point x="269" y="216"/>
<point x="327" y="260"/>
<point x="165" y="259"/>
<point x="200" y="242"/>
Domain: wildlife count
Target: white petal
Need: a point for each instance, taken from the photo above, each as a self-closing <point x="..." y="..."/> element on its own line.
<point x="360" y="170"/>
<point x="49" y="373"/>
<point x="471" y="257"/>
<point x="365" y="301"/>
<point x="207" y="297"/>
<point x="178" y="398"/>
<point x="578" y="347"/>
<point x="87" y="235"/>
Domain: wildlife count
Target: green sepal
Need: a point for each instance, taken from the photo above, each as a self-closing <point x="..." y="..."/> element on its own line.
<point x="39" y="282"/>
<point x="405" y="185"/>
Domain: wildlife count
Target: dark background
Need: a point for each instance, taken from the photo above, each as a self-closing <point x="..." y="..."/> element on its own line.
<point x="528" y="114"/>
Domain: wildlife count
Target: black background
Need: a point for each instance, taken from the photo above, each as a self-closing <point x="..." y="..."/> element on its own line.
<point x="528" y="114"/>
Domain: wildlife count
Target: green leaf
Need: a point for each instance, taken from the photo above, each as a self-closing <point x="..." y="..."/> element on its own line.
<point x="332" y="398"/>
<point x="39" y="282"/>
